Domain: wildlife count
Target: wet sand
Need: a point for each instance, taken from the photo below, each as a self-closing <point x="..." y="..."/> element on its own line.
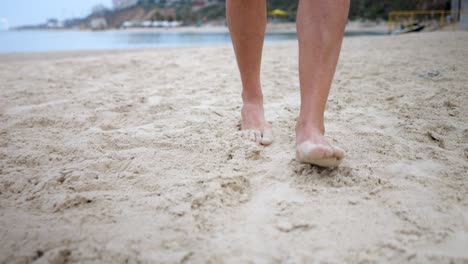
<point x="134" y="156"/>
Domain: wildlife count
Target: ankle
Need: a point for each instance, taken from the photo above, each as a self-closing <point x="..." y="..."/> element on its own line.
<point x="310" y="131"/>
<point x="252" y="107"/>
<point x="252" y="98"/>
<point x="313" y="127"/>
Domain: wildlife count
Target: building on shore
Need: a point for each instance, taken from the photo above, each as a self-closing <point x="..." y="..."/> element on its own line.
<point x="99" y="10"/>
<point x="98" y="23"/>
<point x="122" y="4"/>
<point x="463" y="17"/>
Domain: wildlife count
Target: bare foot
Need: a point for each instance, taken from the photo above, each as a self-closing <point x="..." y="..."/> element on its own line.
<point x="312" y="147"/>
<point x="254" y="124"/>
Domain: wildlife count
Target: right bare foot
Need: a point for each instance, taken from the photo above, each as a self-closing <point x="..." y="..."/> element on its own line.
<point x="254" y="124"/>
<point x="312" y="147"/>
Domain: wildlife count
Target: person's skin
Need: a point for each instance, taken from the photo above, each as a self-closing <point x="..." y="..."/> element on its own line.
<point x="320" y="27"/>
<point x="247" y="22"/>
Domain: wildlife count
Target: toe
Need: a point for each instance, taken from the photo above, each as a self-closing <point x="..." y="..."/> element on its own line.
<point x="251" y="135"/>
<point x="338" y="152"/>
<point x="267" y="137"/>
<point x="312" y="151"/>
<point x="258" y="136"/>
<point x="328" y="152"/>
<point x="319" y="151"/>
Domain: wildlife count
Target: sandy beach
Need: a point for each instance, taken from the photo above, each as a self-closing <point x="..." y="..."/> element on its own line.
<point x="134" y="156"/>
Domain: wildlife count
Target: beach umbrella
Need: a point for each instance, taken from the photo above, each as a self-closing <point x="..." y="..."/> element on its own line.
<point x="278" y="12"/>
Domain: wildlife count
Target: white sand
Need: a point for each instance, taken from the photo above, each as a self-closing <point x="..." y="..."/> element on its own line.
<point x="134" y="157"/>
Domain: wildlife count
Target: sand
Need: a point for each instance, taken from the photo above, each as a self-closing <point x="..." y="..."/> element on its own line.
<point x="134" y="157"/>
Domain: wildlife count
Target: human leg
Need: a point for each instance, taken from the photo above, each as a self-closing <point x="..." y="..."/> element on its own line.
<point x="320" y="27"/>
<point x="247" y="22"/>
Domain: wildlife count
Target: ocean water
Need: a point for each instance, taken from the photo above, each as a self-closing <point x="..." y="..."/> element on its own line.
<point x="29" y="41"/>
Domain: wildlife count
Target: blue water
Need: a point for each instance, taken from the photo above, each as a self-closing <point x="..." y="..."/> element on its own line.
<point x="25" y="41"/>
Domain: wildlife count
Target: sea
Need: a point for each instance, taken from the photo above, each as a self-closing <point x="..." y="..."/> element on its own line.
<point x="38" y="41"/>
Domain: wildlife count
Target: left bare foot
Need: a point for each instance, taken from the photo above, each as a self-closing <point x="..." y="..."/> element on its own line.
<point x="254" y="124"/>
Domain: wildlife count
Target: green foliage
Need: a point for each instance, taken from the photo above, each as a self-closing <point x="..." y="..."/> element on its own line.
<point x="373" y="9"/>
<point x="370" y="9"/>
<point x="214" y="12"/>
<point x="283" y="5"/>
<point x="359" y="9"/>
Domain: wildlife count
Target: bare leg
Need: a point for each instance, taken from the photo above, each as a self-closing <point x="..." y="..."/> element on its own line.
<point x="247" y="22"/>
<point x="320" y="27"/>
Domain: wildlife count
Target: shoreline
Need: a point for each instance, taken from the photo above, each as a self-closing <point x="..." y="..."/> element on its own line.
<point x="60" y="54"/>
<point x="270" y="28"/>
<point x="119" y="39"/>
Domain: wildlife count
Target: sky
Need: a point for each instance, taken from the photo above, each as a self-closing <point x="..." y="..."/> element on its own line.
<point x="25" y="12"/>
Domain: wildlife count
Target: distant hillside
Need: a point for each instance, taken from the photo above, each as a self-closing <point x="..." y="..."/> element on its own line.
<point x="191" y="14"/>
<point x="141" y="13"/>
<point x="116" y="18"/>
<point x="373" y="9"/>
